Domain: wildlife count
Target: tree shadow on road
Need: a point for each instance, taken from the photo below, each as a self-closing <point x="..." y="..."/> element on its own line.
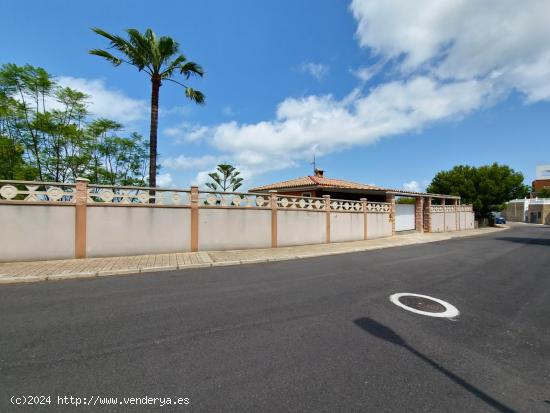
<point x="385" y="333"/>
<point x="523" y="240"/>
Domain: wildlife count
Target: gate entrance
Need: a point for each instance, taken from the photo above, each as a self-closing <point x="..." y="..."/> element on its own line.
<point x="404" y="217"/>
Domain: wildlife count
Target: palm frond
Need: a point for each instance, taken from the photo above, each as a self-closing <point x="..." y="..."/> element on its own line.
<point x="157" y="56"/>
<point x="195" y="95"/>
<point x="142" y="53"/>
<point x="103" y="33"/>
<point x="172" y="66"/>
<point x="191" y="68"/>
<point x="116" y="42"/>
<point x="135" y="56"/>
<point x="107" y="56"/>
<point x="167" y="47"/>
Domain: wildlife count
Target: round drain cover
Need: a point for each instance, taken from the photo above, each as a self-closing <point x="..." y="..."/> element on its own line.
<point x="425" y="305"/>
<point x="421" y="303"/>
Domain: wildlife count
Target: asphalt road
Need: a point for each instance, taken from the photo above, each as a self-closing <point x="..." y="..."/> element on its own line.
<point x="317" y="335"/>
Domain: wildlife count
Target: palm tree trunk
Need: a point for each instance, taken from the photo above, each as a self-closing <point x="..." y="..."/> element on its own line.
<point x="155" y="80"/>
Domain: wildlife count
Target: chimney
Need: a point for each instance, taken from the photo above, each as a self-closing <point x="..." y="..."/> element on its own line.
<point x="319" y="172"/>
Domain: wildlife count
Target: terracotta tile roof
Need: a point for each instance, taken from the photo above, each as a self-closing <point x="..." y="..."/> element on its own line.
<point x="312" y="182"/>
<point x="315" y="181"/>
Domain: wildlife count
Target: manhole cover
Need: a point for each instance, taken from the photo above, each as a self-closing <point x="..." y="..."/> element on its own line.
<point x="425" y="305"/>
<point x="422" y="304"/>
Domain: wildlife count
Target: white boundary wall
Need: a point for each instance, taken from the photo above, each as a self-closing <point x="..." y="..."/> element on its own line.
<point x="345" y="226"/>
<point x="139" y="230"/>
<point x="378" y="226"/>
<point x="41" y="221"/>
<point x="225" y="229"/>
<point x="300" y="227"/>
<point x="31" y="232"/>
<point x="452" y="221"/>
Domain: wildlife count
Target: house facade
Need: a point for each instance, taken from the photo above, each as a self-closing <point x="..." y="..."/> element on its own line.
<point x="319" y="185"/>
<point x="423" y="212"/>
<point x="542" y="180"/>
<point x="531" y="210"/>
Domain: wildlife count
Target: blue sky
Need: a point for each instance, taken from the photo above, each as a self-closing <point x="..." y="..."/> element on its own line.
<point x="383" y="92"/>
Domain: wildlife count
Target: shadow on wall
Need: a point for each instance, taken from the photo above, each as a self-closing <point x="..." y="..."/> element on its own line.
<point x="385" y="333"/>
<point x="522" y="240"/>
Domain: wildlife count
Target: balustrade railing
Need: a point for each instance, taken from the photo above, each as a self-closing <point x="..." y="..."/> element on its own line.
<point x="233" y="199"/>
<point x="297" y="202"/>
<point x="451" y="208"/>
<point x="51" y="192"/>
<point x="343" y="205"/>
<point x="106" y="194"/>
<point x="32" y="191"/>
<point x="379" y="207"/>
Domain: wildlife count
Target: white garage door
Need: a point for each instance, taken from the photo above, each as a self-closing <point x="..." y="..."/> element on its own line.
<point x="404" y="217"/>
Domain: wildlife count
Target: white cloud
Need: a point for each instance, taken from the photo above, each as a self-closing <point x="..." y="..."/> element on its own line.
<point x="165" y="180"/>
<point x="317" y="70"/>
<point x="187" y="132"/>
<point x="416" y="186"/>
<point x="175" y="110"/>
<point x="413" y="186"/>
<point x="502" y="42"/>
<point x="446" y="59"/>
<point x="201" y="179"/>
<point x="183" y="163"/>
<point x="106" y="102"/>
<point x="332" y="125"/>
<point x="366" y="73"/>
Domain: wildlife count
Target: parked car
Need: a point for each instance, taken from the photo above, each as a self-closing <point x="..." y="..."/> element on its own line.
<point x="500" y="220"/>
<point x="496" y="218"/>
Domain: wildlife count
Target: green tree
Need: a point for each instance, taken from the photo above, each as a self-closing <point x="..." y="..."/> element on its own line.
<point x="50" y="137"/>
<point x="159" y="58"/>
<point x="12" y="163"/>
<point x="225" y="179"/>
<point x="544" y="193"/>
<point x="60" y="144"/>
<point x="487" y="187"/>
<point x="123" y="160"/>
<point x="405" y="200"/>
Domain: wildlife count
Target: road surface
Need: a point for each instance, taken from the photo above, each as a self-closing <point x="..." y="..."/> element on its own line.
<point x="317" y="335"/>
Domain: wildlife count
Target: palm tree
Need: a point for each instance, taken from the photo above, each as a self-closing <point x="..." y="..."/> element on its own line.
<point x="227" y="179"/>
<point x="159" y="58"/>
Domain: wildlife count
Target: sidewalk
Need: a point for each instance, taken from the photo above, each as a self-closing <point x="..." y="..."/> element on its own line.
<point x="22" y="272"/>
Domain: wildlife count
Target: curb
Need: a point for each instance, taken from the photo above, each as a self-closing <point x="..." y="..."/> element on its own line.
<point x="210" y="263"/>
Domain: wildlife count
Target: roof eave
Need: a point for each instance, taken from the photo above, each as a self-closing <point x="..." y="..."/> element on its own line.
<point x="287" y="188"/>
<point x="420" y="194"/>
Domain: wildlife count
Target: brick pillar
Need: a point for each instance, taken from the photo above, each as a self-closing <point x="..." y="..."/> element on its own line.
<point x="427" y="215"/>
<point x="443" y="203"/>
<point x="419" y="214"/>
<point x="273" y="204"/>
<point x="457" y="218"/>
<point x="194" y="218"/>
<point x="391" y="200"/>
<point x="365" y="216"/>
<point x="327" y="209"/>
<point x="81" y="200"/>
